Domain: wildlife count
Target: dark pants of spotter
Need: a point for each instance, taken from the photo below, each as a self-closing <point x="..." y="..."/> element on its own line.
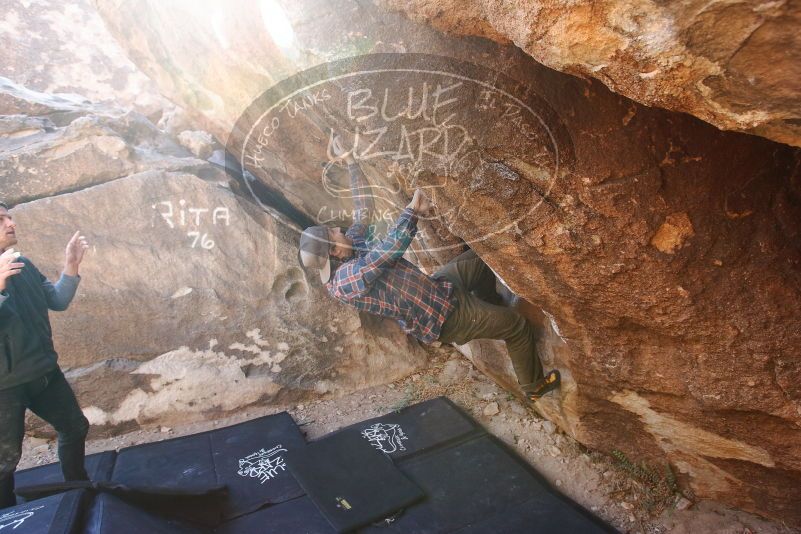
<point x="51" y="398"/>
<point x="475" y="318"/>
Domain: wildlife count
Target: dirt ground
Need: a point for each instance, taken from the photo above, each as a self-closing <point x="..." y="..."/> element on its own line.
<point x="596" y="481"/>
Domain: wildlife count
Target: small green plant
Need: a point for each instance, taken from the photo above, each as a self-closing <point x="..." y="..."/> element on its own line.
<point x="658" y="489"/>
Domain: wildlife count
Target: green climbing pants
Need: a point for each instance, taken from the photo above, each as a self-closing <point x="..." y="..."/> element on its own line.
<point x="475" y="318"/>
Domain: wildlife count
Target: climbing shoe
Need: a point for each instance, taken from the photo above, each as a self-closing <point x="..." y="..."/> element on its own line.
<point x="535" y="391"/>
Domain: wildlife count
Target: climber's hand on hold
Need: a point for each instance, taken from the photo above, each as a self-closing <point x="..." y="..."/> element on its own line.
<point x="420" y="203"/>
<point x="339" y="152"/>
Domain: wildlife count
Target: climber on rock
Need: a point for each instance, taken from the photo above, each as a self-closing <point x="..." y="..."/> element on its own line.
<point x="373" y="276"/>
<point x="30" y="378"/>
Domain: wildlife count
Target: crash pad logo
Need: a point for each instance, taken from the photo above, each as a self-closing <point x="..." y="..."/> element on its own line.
<point x="387" y="438"/>
<point x="485" y="149"/>
<point x="12" y="520"/>
<point x="263" y="464"/>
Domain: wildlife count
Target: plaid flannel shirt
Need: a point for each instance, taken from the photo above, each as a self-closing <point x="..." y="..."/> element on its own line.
<point x="380" y="281"/>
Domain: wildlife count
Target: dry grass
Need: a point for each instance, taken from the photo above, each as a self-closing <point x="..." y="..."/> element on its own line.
<point x="650" y="490"/>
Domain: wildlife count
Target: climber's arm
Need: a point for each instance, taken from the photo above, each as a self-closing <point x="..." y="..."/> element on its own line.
<point x="356" y="278"/>
<point x="363" y="202"/>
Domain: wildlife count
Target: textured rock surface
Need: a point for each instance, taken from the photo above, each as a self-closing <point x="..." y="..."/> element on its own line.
<point x="733" y="64"/>
<point x="63" y="47"/>
<point x="228" y="318"/>
<point x="55" y="143"/>
<point x="661" y="263"/>
<point x="198" y="142"/>
<point x="192" y="303"/>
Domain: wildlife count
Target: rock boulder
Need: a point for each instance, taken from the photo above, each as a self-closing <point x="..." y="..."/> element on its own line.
<point x="192" y="304"/>
<point x="658" y="254"/>
<point x="63" y="47"/>
<point x="733" y="65"/>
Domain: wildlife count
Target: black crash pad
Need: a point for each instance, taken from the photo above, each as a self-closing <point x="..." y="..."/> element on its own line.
<point x="535" y="516"/>
<point x="110" y="515"/>
<point x="473" y="483"/>
<point x="200" y="507"/>
<point x="297" y="515"/>
<point x="98" y="467"/>
<point x="421" y="427"/>
<point x="248" y="458"/>
<point x="58" y="514"/>
<point x="351" y="482"/>
<point x="481" y="486"/>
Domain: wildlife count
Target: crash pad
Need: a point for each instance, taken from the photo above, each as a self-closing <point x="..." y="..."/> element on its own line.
<point x="247" y="458"/>
<point x="57" y="514"/>
<point x="351" y="482"/>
